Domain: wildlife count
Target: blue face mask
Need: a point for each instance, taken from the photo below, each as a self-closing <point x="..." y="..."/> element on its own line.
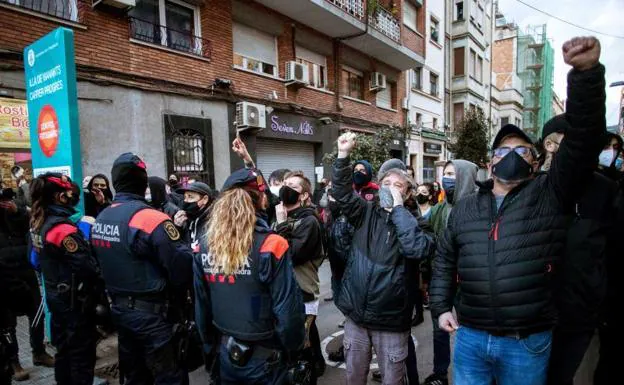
<point x="618" y="163"/>
<point x="448" y="183"/>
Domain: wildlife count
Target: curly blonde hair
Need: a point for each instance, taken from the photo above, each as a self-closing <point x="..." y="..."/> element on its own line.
<point x="230" y="230"/>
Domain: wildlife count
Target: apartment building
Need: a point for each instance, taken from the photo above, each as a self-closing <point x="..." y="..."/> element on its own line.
<point x="175" y="80"/>
<point x="426" y="92"/>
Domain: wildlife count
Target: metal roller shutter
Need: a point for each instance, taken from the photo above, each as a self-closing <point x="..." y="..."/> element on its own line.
<point x="275" y="154"/>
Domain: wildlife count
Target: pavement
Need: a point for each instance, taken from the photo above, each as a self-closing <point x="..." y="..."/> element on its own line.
<point x="331" y="337"/>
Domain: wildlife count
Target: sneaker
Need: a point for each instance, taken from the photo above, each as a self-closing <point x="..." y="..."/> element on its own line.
<point x="337" y="356"/>
<point x="43" y="359"/>
<point x="377" y="375"/>
<point x="19" y="374"/>
<point x="436" y="379"/>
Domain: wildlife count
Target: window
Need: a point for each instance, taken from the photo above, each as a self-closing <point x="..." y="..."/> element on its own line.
<point x="410" y="15"/>
<point x="352" y="81"/>
<point x="428" y="169"/>
<point x="458" y="61"/>
<point x="480" y="16"/>
<point x="458" y="113"/>
<point x="317" y="66"/>
<point x="63" y="9"/>
<point x="435" y="30"/>
<point x="459" y="10"/>
<point x="384" y="97"/>
<point x="417" y="78"/>
<point x="435" y="123"/>
<point x="419" y="120"/>
<point x="518" y="122"/>
<point x="504" y="121"/>
<point x="479" y="69"/>
<point x="254" y="50"/>
<point x="433" y="82"/>
<point x="170" y="23"/>
<point x="472" y="63"/>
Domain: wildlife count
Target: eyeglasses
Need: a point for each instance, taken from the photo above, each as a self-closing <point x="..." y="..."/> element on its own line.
<point x="523" y="151"/>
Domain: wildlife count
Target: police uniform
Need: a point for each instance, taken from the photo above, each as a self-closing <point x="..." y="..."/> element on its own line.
<point x="147" y="270"/>
<point x="266" y="324"/>
<point x="69" y="275"/>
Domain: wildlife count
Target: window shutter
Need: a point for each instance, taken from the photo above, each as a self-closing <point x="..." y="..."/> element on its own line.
<point x="409" y="15"/>
<point x="254" y="44"/>
<point x="459" y="55"/>
<point x="384" y="97"/>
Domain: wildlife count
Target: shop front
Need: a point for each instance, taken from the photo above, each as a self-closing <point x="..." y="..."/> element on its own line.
<point x="14" y="140"/>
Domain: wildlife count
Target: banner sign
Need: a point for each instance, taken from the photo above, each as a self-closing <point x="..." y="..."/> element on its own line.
<point x="14" y="132"/>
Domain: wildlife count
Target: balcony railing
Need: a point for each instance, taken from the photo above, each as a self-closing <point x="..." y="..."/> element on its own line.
<point x="354" y="8"/>
<point x="63" y="9"/>
<point x="386" y="23"/>
<point x="177" y="40"/>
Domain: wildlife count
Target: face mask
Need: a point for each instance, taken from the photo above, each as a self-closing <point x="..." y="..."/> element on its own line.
<point x="422" y="199"/>
<point x="618" y="163"/>
<point x="275" y="190"/>
<point x="449" y="188"/>
<point x="148" y="198"/>
<point x="359" y="178"/>
<point x="173" y="183"/>
<point x="512" y="168"/>
<point x="606" y="158"/>
<point x="191" y="209"/>
<point x="386" y="200"/>
<point x="288" y="195"/>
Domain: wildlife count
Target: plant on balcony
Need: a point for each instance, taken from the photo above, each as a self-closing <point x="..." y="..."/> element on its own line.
<point x="374" y="148"/>
<point x="472" y="138"/>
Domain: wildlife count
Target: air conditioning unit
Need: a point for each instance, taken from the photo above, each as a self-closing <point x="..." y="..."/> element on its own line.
<point x="378" y="81"/>
<point x="297" y="73"/>
<point x="250" y="115"/>
<point x="121" y="4"/>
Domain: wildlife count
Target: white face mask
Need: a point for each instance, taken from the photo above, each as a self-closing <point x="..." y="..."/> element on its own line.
<point x="606" y="157"/>
<point x="148" y="197"/>
<point x="275" y="190"/>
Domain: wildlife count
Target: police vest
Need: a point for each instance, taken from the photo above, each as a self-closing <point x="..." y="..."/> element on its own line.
<point x="241" y="304"/>
<point x="54" y="266"/>
<point x="124" y="272"/>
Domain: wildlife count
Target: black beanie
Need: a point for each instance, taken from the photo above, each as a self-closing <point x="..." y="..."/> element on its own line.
<point x="129" y="174"/>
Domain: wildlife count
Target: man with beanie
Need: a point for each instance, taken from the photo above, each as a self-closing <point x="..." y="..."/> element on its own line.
<point x="147" y="269"/>
<point x="362" y="180"/>
<point x="376" y="293"/>
<point x="502" y="246"/>
<point x="459" y="181"/>
<point x="582" y="273"/>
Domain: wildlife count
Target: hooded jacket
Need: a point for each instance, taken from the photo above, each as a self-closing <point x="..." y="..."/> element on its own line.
<point x="160" y="199"/>
<point x="92" y="207"/>
<point x="465" y="179"/>
<point x="505" y="259"/>
<point x="377" y="290"/>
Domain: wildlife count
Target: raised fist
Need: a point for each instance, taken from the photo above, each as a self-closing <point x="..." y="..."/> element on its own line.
<point x="346" y="142"/>
<point x="582" y="53"/>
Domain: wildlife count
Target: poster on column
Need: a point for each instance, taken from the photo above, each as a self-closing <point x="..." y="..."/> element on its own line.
<point x="50" y="74"/>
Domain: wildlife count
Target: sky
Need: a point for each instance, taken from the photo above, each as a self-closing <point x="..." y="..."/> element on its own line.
<point x="600" y="15"/>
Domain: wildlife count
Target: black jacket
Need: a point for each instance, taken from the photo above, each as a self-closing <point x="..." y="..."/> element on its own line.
<point x="377" y="285"/>
<point x="92" y="207"/>
<point x="14" y="230"/>
<point x="505" y="261"/>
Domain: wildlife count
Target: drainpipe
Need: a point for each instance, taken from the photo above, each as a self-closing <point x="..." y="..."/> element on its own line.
<point x="492" y="23"/>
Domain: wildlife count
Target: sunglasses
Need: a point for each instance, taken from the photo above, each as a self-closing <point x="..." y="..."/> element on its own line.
<point x="523" y="151"/>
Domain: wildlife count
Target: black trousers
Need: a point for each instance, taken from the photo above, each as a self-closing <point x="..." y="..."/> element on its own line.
<point x="568" y="350"/>
<point x="609" y="363"/>
<point x="30" y="308"/>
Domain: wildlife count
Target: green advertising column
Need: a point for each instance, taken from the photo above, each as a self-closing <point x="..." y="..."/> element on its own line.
<point x="50" y="73"/>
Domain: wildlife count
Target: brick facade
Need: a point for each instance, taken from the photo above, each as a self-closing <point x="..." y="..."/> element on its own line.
<point x="503" y="63"/>
<point x="103" y="43"/>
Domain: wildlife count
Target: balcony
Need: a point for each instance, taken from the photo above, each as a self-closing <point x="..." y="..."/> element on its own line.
<point x="62" y="9"/>
<point x="147" y="32"/>
<point x="342" y="18"/>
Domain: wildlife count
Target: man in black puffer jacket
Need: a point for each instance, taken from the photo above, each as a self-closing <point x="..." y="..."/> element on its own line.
<point x="376" y="294"/>
<point x="503" y="243"/>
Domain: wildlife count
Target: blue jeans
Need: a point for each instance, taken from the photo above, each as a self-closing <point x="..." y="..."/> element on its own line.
<point x="479" y="358"/>
<point x="257" y="371"/>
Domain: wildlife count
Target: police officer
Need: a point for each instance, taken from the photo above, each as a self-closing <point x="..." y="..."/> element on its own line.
<point x="242" y="260"/>
<point x="70" y="277"/>
<point x="147" y="270"/>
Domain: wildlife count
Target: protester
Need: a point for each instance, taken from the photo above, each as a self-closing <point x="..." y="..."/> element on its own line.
<point x="97" y="195"/>
<point x="583" y="276"/>
<point x="173" y="194"/>
<point x="299" y="224"/>
<point x="147" y="269"/>
<point x="519" y="221"/>
<point x="198" y="198"/>
<point x="14" y="228"/>
<point x="23" y="187"/>
<point x="459" y="178"/>
<point x="362" y="180"/>
<point x="319" y="191"/>
<point x="242" y="260"/>
<point x="157" y="197"/>
<point x="411" y="173"/>
<point x="438" y="193"/>
<point x="70" y="277"/>
<point x="424" y="198"/>
<point x="376" y="296"/>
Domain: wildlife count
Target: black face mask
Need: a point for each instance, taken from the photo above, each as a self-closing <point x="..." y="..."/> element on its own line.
<point x="191" y="209"/>
<point x="359" y="178"/>
<point x="289" y="195"/>
<point x="512" y="167"/>
<point x="422" y="199"/>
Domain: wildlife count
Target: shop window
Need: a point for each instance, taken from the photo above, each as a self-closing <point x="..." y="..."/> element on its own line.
<point x="188" y="143"/>
<point x="433" y="84"/>
<point x="254" y="50"/>
<point x="417" y="78"/>
<point x="458" y="61"/>
<point x="435" y="30"/>
<point x="170" y="23"/>
<point x="317" y="67"/>
<point x="352" y="83"/>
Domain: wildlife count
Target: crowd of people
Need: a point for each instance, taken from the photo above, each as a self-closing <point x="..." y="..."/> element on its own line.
<point x="522" y="268"/>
